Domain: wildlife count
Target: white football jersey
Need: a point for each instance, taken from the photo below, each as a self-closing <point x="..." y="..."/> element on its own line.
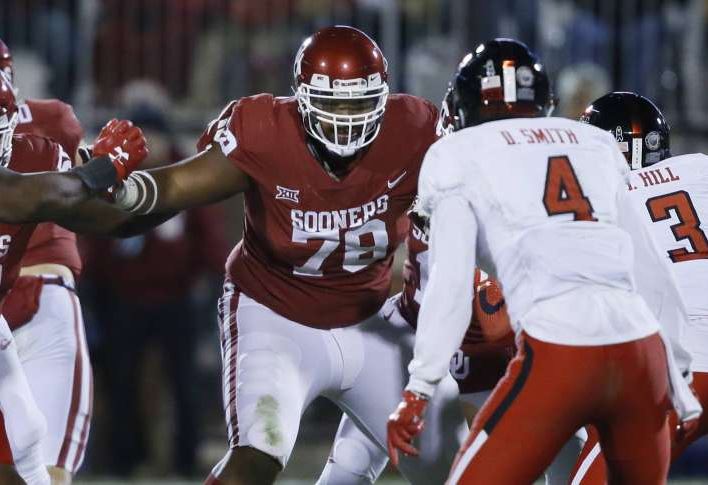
<point x="542" y="204"/>
<point x="671" y="199"/>
<point x="545" y="192"/>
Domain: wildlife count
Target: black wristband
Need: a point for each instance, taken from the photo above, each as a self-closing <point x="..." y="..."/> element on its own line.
<point x="98" y="174"/>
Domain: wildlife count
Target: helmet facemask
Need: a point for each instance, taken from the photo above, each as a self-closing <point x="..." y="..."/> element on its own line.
<point x="8" y="123"/>
<point x="446" y="119"/>
<point x="346" y="117"/>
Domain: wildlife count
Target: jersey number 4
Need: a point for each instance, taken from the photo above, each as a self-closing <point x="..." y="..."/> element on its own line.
<point x="688" y="226"/>
<point x="563" y="194"/>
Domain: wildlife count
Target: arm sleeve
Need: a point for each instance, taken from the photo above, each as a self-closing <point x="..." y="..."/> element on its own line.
<point x="447" y="307"/>
<point x="655" y="281"/>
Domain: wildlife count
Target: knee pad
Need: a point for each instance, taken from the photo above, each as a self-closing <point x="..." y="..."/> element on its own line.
<point x="352" y="463"/>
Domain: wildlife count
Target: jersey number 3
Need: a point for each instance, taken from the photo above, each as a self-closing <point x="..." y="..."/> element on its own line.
<point x="688" y="227"/>
<point x="562" y="194"/>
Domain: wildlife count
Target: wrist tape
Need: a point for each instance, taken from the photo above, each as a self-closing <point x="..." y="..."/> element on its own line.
<point x="98" y="175"/>
<point x="138" y="193"/>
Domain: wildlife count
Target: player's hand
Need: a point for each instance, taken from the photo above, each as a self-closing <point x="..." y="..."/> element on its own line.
<point x="124" y="144"/>
<point x="405" y="424"/>
<point x="686" y="429"/>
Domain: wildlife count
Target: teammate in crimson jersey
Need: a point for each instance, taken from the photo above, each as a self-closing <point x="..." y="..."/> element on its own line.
<point x="539" y="201"/>
<point x="671" y="197"/>
<point x="68" y="197"/>
<point x="43" y="301"/>
<point x="328" y="176"/>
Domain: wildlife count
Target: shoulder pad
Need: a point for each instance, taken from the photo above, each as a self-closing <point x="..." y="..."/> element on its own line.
<point x="253" y="122"/>
<point x="247" y="123"/>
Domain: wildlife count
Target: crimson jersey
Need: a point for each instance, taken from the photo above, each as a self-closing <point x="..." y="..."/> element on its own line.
<point x="51" y="243"/>
<point x="316" y="250"/>
<point x="488" y="344"/>
<point x="29" y="154"/>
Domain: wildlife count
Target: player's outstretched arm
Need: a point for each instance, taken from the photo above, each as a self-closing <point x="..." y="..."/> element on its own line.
<point x="100" y="218"/>
<point x="205" y="178"/>
<point x="47" y="195"/>
<point x="53" y="196"/>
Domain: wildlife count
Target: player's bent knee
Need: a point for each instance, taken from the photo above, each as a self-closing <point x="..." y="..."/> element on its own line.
<point x="353" y="463"/>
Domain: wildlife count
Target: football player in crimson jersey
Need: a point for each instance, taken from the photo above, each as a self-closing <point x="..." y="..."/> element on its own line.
<point x="541" y="201"/>
<point x="328" y="176"/>
<point x="671" y="197"/>
<point x="44" y="302"/>
<point x="23" y="200"/>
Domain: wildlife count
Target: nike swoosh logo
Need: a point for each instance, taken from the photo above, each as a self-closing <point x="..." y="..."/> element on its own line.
<point x="396" y="181"/>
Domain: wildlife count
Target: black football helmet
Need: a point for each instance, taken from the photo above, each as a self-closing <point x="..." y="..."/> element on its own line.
<point x="501" y="79"/>
<point x="636" y="123"/>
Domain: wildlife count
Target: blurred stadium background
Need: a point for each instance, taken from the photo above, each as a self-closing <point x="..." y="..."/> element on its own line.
<point x="172" y="64"/>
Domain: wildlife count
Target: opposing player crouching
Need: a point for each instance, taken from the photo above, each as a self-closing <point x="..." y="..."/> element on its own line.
<point x="540" y="202"/>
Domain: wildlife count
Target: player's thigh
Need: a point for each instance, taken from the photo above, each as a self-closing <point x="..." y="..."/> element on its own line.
<point x="634" y="435"/>
<point x="534" y="403"/>
<point x="54" y="355"/>
<point x="354" y="457"/>
<point x="272" y="369"/>
<point x="386" y="350"/>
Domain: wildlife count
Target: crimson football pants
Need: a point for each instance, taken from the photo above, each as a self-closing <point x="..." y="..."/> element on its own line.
<point x="550" y="391"/>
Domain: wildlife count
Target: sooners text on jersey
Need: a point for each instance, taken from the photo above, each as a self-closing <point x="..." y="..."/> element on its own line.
<point x="316" y="250"/>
